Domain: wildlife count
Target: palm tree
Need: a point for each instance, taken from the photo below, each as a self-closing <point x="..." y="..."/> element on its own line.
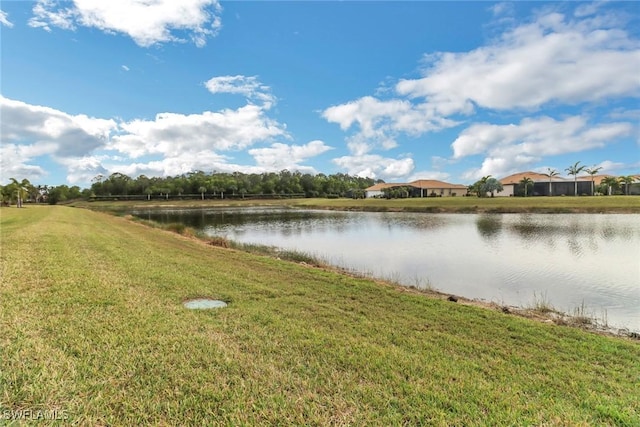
<point x="575" y="170"/>
<point x="202" y="190"/>
<point x="20" y="189"/>
<point x="551" y="173"/>
<point x="526" y="181"/>
<point x="626" y="180"/>
<point x="593" y="171"/>
<point x="611" y="183"/>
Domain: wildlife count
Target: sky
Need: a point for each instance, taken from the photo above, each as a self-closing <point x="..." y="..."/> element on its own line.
<point x="397" y="91"/>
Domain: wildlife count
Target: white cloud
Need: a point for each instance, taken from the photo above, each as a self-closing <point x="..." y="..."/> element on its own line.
<point x="182" y="163"/>
<point x="147" y="22"/>
<point x="172" y="134"/>
<point x="43" y="15"/>
<point x="380" y="121"/>
<point x="613" y="168"/>
<point x="71" y="135"/>
<point x="513" y="147"/>
<point x="499" y="167"/>
<point x="182" y="142"/>
<point x="375" y="166"/>
<point x="626" y="114"/>
<point x="553" y="60"/>
<point x="549" y="60"/>
<point x="282" y="156"/>
<point x="15" y="161"/>
<point x="249" y="87"/>
<point x="502" y="8"/>
<point x="375" y="117"/>
<point x="4" y="19"/>
<point x="587" y="9"/>
<point x="83" y="169"/>
<point x="442" y="176"/>
<point x="125" y="68"/>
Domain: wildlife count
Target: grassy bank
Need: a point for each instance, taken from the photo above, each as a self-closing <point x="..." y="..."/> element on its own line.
<point x="585" y="204"/>
<point x="93" y="325"/>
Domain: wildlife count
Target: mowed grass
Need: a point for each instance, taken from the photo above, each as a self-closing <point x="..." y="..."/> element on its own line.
<point x="92" y="323"/>
<point x="584" y="204"/>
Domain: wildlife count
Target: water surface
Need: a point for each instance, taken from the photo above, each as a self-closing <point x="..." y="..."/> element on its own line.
<point x="566" y="260"/>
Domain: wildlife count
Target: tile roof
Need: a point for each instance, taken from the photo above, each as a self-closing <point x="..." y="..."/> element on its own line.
<point x="420" y="183"/>
<point x="597" y="179"/>
<point x="381" y="186"/>
<point x="434" y="183"/>
<point x="534" y="176"/>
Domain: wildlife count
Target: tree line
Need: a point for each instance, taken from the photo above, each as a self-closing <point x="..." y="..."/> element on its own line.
<point x="20" y="192"/>
<point x="198" y="184"/>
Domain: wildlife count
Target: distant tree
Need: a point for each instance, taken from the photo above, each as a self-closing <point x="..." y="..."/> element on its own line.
<point x="611" y="183"/>
<point x="575" y="170"/>
<point x="476" y="187"/>
<point x="20" y="189"/>
<point x="593" y="172"/>
<point x="473" y="189"/>
<point x="41" y="192"/>
<point x="491" y="185"/>
<point x="627" y="181"/>
<point x="526" y="182"/>
<point x="550" y="174"/>
<point x="202" y="190"/>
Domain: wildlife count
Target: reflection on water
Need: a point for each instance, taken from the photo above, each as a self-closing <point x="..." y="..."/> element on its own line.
<point x="590" y="259"/>
<point x="489" y="225"/>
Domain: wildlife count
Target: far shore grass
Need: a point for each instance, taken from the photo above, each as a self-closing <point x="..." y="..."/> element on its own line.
<point x="582" y="204"/>
<point x="92" y="325"/>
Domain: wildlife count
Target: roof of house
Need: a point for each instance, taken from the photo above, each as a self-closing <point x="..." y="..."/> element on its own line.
<point x="434" y="183"/>
<point x="597" y="179"/>
<point x="420" y="183"/>
<point x="381" y="186"/>
<point x="540" y="177"/>
<point x="534" y="176"/>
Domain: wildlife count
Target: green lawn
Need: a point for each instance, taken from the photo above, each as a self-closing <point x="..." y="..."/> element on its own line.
<point x="488" y="204"/>
<point x="589" y="204"/>
<point x="92" y="324"/>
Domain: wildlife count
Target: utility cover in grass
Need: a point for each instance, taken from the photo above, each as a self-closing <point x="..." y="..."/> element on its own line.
<point x="204" y="303"/>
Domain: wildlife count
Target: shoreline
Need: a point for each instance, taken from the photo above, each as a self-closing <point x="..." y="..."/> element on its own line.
<point x="462" y="205"/>
<point x="541" y="311"/>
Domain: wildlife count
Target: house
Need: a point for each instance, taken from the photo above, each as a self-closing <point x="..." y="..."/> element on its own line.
<point x="512" y="187"/>
<point x="544" y="185"/>
<point x="419" y="188"/>
<point x="433" y="188"/>
<point x="377" y="190"/>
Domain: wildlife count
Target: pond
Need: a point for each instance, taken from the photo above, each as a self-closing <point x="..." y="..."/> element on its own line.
<point x="569" y="261"/>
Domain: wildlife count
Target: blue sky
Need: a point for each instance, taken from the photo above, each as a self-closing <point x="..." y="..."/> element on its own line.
<point x="391" y="90"/>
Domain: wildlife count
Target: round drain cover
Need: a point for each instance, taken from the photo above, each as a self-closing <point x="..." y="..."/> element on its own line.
<point x="204" y="303"/>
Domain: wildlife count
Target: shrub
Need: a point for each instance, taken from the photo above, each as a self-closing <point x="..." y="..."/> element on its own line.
<point x="219" y="241"/>
<point x="176" y="227"/>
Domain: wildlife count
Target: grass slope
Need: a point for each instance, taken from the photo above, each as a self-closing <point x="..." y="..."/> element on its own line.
<point x="92" y="323"/>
